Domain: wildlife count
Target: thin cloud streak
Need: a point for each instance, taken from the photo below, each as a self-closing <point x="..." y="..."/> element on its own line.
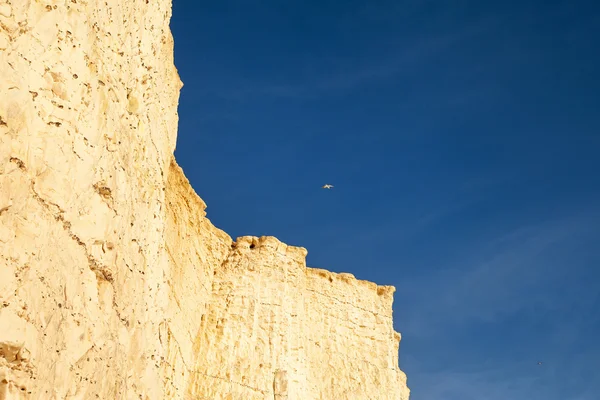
<point x="509" y="274"/>
<point x="494" y="380"/>
<point x="334" y="82"/>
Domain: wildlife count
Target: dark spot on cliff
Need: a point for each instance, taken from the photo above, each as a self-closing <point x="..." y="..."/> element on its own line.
<point x="103" y="191"/>
<point x="19" y="163"/>
<point x="252" y="246"/>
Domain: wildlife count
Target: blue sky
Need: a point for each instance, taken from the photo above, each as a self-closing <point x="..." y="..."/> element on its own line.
<point x="463" y="141"/>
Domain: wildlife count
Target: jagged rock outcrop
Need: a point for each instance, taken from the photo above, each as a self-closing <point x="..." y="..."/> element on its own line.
<point x="113" y="283"/>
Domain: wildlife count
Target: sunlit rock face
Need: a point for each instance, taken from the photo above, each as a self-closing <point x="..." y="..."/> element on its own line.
<point x="113" y="283"/>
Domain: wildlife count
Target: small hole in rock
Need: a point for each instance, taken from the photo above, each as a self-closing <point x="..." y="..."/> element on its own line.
<point x="252" y="246"/>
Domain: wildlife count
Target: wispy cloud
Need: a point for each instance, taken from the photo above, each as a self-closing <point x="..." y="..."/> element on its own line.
<point x="534" y="272"/>
<point x="494" y="384"/>
<point x="342" y="76"/>
<point x="483" y="385"/>
<point x="514" y="272"/>
<point x="528" y="381"/>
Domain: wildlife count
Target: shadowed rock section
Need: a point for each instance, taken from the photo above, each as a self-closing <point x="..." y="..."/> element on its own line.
<point x="113" y="283"/>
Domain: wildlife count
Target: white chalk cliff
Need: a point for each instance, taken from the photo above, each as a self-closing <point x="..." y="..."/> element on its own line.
<point x="113" y="283"/>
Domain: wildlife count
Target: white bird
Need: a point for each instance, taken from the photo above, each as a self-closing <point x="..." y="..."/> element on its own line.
<point x="540" y="363"/>
<point x="328" y="186"/>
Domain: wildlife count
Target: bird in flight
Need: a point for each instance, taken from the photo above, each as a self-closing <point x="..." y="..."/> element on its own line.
<point x="540" y="363"/>
<point x="328" y="186"/>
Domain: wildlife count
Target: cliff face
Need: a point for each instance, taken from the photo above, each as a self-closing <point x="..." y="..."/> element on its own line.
<point x="113" y="283"/>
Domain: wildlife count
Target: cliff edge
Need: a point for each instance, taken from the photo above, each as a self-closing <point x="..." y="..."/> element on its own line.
<point x="113" y="283"/>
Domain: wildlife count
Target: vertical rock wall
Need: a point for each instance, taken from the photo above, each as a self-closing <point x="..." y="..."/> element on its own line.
<point x="274" y="329"/>
<point x="113" y="283"/>
<point x="88" y="98"/>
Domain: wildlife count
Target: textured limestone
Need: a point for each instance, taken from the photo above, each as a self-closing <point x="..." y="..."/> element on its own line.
<point x="298" y="333"/>
<point x="113" y="283"/>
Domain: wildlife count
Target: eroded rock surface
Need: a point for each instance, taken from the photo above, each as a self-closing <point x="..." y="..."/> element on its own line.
<point x="113" y="283"/>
